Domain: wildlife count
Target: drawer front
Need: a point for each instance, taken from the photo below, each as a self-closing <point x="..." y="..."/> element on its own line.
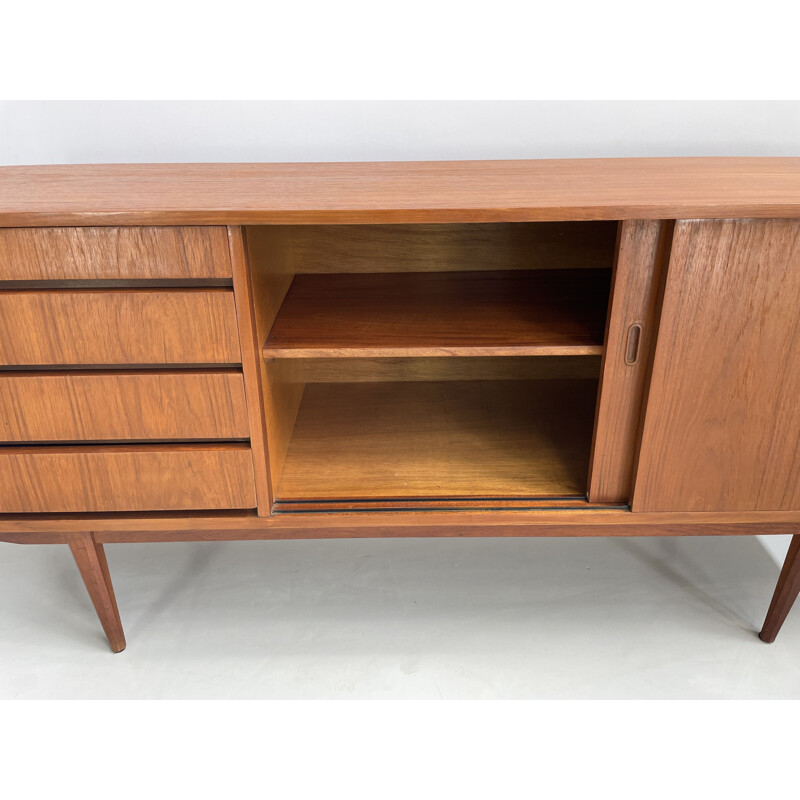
<point x="100" y="327"/>
<point x="125" y="478"/>
<point x="66" y="407"/>
<point x="130" y="253"/>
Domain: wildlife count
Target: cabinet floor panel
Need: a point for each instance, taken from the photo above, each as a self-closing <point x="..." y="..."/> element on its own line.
<point x="445" y="439"/>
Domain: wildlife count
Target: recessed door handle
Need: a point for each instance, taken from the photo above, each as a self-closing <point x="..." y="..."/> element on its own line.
<point x="632" y="344"/>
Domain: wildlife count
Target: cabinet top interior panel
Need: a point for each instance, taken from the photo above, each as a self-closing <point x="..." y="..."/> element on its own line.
<point x="428" y="191"/>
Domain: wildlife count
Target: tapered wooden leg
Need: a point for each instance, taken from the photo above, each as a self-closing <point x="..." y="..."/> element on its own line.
<point x="785" y="592"/>
<point x="91" y="560"/>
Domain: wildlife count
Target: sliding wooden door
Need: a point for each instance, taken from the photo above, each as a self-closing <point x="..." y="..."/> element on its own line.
<point x="722" y="416"/>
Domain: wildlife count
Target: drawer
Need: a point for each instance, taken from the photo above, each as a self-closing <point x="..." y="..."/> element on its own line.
<point x="195" y="326"/>
<point x="130" y="253"/>
<point x="63" y="407"/>
<point x="125" y="478"/>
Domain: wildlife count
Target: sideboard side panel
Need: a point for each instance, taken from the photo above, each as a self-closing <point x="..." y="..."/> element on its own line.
<point x="252" y="367"/>
<point x="722" y="421"/>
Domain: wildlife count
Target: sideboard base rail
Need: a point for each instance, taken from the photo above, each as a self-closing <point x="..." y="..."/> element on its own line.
<point x="87" y="550"/>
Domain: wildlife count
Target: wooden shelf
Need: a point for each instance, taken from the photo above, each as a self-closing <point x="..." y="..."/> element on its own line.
<point x="448" y="439"/>
<point x="537" y="312"/>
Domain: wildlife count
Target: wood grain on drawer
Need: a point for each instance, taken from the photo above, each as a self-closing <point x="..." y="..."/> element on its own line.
<point x="60" y="407"/>
<point x="125" y="478"/>
<point x="129" y="253"/>
<point x="196" y="326"/>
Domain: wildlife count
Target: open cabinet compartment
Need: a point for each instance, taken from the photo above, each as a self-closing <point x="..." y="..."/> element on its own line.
<point x="425" y="366"/>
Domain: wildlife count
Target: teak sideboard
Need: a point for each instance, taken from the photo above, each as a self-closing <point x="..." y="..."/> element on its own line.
<point x="604" y="347"/>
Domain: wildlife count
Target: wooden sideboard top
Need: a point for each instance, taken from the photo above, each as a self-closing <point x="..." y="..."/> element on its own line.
<point x="429" y="191"/>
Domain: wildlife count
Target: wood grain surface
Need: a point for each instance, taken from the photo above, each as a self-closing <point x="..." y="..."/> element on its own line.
<point x="90" y="558"/>
<point x="113" y="253"/>
<point x="643" y="246"/>
<point x="252" y="366"/>
<point x="483" y="368"/>
<point x="442" y="248"/>
<point x="271" y="274"/>
<point x="125" y="478"/>
<point x="223" y="525"/>
<point x="440" y="439"/>
<point x="719" y="442"/>
<point x="538" y="312"/>
<point x="117" y="327"/>
<point x="722" y="420"/>
<point x="454" y="191"/>
<point x="435" y="525"/>
<point x="417" y="504"/>
<point x="79" y="406"/>
<point x="255" y="528"/>
<point x="786" y="593"/>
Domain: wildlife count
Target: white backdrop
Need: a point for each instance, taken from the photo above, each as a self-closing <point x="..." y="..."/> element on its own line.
<point x="42" y="132"/>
